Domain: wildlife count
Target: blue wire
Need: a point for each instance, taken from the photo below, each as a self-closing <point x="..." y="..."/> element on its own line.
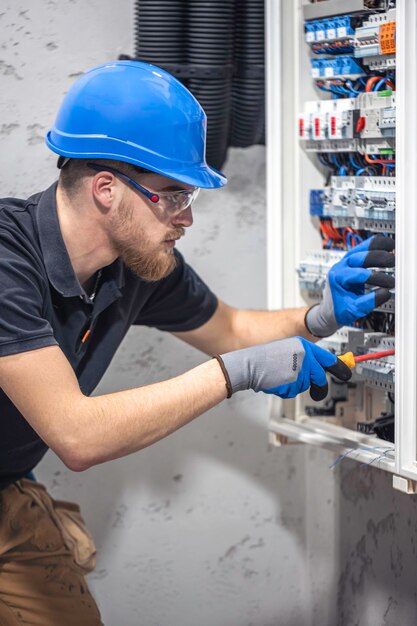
<point x="334" y="89"/>
<point x="322" y="161"/>
<point x="323" y="88"/>
<point x="351" y="88"/>
<point x="344" y="90"/>
<point x="379" y="84"/>
<point x="334" y="93"/>
<point x="360" y="171"/>
<point x="353" y="163"/>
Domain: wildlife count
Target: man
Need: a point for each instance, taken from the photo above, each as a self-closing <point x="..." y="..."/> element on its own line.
<point x="83" y="261"/>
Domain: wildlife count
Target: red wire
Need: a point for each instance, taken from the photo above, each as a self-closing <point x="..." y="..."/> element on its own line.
<point x="373" y="355"/>
<point x="369" y="160"/>
<point x="371" y="82"/>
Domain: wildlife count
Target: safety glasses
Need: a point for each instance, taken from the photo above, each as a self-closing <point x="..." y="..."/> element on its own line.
<point x="171" y="202"/>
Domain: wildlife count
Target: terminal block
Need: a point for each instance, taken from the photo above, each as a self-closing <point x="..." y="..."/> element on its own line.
<point x="328" y="125"/>
<point x="338" y="67"/>
<point x="317" y="202"/>
<point x="343" y="340"/>
<point x="339" y="197"/>
<point x="365" y="124"/>
<point x="312" y="271"/>
<point x="330" y="29"/>
<point x="361" y="202"/>
<point x="374" y="198"/>
<point x="374" y="41"/>
<point x="376" y="116"/>
<point x="379" y="373"/>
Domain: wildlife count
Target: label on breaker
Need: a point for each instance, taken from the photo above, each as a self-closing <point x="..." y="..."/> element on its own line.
<point x="310" y="36"/>
<point x="320" y="35"/>
<point x="342" y="31"/>
<point x="328" y="71"/>
<point x="331" y="33"/>
<point x="315" y="72"/>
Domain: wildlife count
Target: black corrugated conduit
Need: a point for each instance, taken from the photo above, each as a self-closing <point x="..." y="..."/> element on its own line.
<point x="160" y="31"/>
<point x="210" y="35"/>
<point x="248" y="100"/>
<point x="216" y="48"/>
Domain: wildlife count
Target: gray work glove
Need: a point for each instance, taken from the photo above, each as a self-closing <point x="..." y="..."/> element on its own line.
<point x="284" y="368"/>
<point x="344" y="299"/>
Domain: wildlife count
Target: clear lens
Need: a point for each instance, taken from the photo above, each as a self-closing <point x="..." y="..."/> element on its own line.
<point x="176" y="201"/>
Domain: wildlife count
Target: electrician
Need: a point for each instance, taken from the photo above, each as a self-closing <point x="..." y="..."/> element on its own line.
<point x="82" y="262"/>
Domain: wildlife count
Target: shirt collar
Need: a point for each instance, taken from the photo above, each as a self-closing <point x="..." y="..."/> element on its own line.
<point x="55" y="254"/>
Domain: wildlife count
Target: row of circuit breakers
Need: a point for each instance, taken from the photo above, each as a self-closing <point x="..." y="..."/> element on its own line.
<point x="350" y="131"/>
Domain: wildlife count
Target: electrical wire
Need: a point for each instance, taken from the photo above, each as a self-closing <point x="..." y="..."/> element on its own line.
<point x="371" y="82"/>
<point x="386" y="452"/>
<point x="368" y="158"/>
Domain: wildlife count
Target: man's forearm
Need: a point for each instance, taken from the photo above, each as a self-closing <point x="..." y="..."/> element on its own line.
<point x="253" y="327"/>
<point x="114" y="425"/>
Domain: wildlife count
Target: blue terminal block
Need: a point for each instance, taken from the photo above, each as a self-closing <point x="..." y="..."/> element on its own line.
<point x="328" y="29"/>
<point x="344" y="26"/>
<point x="316" y="202"/>
<point x="317" y="70"/>
<point x="331" y="29"/>
<point x="310" y="32"/>
<point x="336" y="67"/>
<point x="349" y="65"/>
<point x="320" y="28"/>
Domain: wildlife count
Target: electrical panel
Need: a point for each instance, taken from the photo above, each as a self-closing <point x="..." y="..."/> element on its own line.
<point x="333" y="151"/>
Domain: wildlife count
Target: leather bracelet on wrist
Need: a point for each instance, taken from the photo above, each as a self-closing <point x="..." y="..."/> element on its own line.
<point x="229" y="388"/>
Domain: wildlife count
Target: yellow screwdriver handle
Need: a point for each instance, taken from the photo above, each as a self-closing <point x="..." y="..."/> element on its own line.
<point x="348" y="359"/>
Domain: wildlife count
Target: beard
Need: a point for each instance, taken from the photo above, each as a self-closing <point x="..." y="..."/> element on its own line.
<point x="140" y="255"/>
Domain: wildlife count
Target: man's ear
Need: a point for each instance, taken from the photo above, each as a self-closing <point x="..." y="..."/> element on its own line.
<point x="104" y="189"/>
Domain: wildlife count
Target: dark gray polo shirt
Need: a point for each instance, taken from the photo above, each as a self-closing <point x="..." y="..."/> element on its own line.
<point x="42" y="303"/>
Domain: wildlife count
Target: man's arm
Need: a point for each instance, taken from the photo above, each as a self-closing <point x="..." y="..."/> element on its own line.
<point x="85" y="431"/>
<point x="232" y="329"/>
<point x="345" y="300"/>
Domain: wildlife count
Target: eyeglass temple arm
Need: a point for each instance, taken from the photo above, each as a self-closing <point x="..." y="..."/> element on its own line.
<point x="153" y="197"/>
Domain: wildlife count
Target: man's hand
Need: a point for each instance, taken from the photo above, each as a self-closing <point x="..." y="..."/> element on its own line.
<point x="344" y="300"/>
<point x="284" y="368"/>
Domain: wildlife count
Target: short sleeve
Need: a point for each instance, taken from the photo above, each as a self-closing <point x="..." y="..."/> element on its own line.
<point x="180" y="302"/>
<point x="22" y="290"/>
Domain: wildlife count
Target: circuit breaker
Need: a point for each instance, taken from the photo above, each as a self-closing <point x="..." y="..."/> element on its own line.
<point x="342" y="142"/>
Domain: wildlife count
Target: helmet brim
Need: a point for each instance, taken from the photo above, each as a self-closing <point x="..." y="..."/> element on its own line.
<point x="201" y="175"/>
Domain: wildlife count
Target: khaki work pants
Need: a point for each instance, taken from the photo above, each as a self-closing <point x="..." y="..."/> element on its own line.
<point x="45" y="551"/>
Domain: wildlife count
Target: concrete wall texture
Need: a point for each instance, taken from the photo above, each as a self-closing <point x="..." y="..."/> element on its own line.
<point x="209" y="526"/>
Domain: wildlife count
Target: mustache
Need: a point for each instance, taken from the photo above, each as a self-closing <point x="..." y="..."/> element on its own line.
<point x="175" y="233"/>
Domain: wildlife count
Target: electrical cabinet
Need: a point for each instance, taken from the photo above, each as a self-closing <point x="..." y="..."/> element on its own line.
<point x="341" y="167"/>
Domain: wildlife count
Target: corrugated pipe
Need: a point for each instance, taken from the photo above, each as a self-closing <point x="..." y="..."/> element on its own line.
<point x="216" y="48"/>
<point x="248" y="91"/>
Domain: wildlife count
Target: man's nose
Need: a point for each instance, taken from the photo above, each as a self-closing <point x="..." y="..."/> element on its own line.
<point x="185" y="218"/>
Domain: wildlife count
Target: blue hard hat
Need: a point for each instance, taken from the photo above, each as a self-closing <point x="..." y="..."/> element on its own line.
<point x="138" y="113"/>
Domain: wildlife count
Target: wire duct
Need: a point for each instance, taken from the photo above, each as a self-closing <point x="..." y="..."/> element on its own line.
<point x="216" y="48"/>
